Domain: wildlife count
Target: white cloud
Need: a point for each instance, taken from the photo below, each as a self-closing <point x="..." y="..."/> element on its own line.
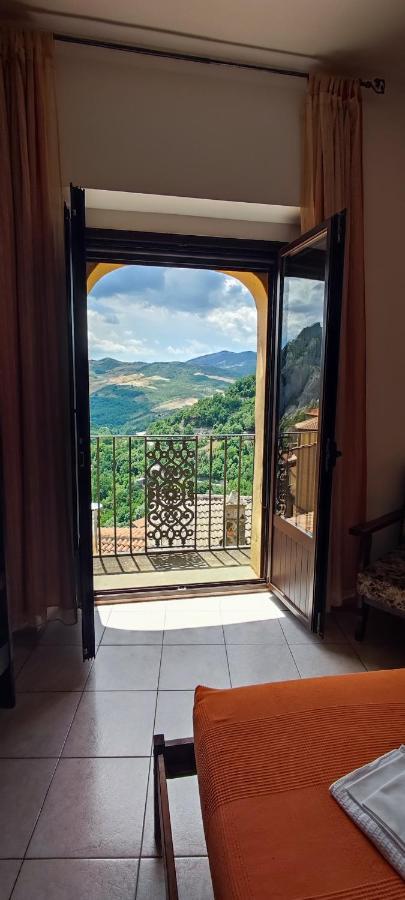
<point x="170" y="314"/>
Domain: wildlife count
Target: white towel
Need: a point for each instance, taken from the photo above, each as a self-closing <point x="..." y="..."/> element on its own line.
<point x="374" y="797"/>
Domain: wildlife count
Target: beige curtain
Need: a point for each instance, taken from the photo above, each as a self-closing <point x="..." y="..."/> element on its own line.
<point x="333" y="180"/>
<point x="34" y="385"/>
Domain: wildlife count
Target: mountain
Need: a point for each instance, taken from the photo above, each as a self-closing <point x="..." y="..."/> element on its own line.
<point x="300" y="371"/>
<point x="238" y="364"/>
<point x="127" y="396"/>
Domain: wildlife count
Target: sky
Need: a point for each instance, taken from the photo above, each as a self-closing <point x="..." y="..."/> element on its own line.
<point x="153" y="313"/>
<point x="303" y="305"/>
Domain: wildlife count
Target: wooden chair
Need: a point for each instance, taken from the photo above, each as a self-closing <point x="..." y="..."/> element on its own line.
<point x="381" y="583"/>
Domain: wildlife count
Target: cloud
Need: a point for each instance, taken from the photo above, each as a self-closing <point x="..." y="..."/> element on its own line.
<point x="144" y="313"/>
<point x="303" y="305"/>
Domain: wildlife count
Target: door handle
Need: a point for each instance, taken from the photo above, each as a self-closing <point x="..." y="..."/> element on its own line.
<point x="81" y="459"/>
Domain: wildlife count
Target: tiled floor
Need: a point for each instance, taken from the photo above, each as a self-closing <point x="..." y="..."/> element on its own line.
<point x="76" y="818"/>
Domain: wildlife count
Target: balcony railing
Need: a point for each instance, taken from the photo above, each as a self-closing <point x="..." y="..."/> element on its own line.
<point x="154" y="493"/>
<point x="296" y="476"/>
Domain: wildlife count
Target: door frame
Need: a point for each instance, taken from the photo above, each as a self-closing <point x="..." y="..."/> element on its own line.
<point x="193" y="251"/>
<point x="335" y="258"/>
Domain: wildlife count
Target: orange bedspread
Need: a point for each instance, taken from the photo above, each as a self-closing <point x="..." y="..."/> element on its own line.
<point x="266" y="756"/>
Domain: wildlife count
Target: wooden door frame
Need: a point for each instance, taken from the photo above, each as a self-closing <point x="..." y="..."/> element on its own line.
<point x="335" y="230"/>
<point x="214" y="253"/>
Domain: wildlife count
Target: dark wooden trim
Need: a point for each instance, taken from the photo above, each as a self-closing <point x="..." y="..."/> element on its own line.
<point x="196" y="589"/>
<point x="328" y="453"/>
<point x="182" y="251"/>
<point x="171" y="759"/>
<point x="377" y="524"/>
<point x="288" y="603"/>
<point x="334" y="230"/>
<point x="82" y="417"/>
<point x="267" y="462"/>
<point x="365" y="531"/>
<point x="292" y="531"/>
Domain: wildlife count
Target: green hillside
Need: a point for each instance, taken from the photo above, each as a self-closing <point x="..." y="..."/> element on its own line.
<point x="128" y="397"/>
<point x="230" y="411"/>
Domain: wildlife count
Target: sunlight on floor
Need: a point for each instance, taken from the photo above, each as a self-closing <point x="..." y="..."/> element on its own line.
<point x="190" y="613"/>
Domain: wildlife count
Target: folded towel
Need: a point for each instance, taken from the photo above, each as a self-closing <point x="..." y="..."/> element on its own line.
<point x="374" y="797"/>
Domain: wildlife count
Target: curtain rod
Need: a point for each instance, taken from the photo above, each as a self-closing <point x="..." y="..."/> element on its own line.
<point x="376" y="84"/>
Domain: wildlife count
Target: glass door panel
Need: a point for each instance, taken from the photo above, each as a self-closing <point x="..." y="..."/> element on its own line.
<point x="309" y="303"/>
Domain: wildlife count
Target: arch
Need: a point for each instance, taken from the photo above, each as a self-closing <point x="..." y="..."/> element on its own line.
<point x="257" y="285"/>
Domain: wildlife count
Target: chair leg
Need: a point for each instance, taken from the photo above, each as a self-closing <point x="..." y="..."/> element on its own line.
<point x="362" y="621"/>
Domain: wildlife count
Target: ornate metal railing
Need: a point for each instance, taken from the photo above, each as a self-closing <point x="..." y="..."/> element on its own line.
<point x="296" y="476"/>
<point x="171" y="492"/>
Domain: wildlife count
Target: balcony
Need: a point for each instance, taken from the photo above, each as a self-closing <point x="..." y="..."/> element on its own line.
<point x="296" y="475"/>
<point x="172" y="510"/>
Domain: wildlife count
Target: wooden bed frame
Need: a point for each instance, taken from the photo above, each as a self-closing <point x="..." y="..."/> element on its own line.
<point x="171" y="759"/>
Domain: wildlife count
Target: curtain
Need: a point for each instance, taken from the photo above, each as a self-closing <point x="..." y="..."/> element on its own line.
<point x="34" y="354"/>
<point x="332" y="181"/>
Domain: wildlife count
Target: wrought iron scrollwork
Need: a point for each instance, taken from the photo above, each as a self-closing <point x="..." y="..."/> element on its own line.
<point x="282" y="481"/>
<point x="170" y="492"/>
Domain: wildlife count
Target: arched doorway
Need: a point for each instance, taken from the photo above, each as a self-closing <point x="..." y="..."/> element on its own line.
<point x="217" y="535"/>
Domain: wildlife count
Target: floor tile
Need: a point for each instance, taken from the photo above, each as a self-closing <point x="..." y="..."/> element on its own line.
<point x="193" y="879"/>
<point x="242" y="608"/>
<point x="135" y="623"/>
<point x="38" y="725"/>
<point x="185" y="813"/>
<point x="297" y="632"/>
<point x="267" y="631"/>
<point x="57" y="633"/>
<point x="174" y="714"/>
<point x="113" y="723"/>
<point x="380" y="655"/>
<point x="125" y="669"/>
<point x="193" y="628"/>
<point x="94" y="808"/>
<point x="185" y="666"/>
<point x="151" y="883"/>
<point x="74" y="879"/>
<point x="20" y="656"/>
<point x="325" y="659"/>
<point x="250" y="664"/>
<point x="54" y="669"/>
<point x="383" y="629"/>
<point x="188" y="605"/>
<point x="8" y="873"/>
<point x="23" y="785"/>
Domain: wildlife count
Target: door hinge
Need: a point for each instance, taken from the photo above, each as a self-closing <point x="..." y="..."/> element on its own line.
<point x="331" y="454"/>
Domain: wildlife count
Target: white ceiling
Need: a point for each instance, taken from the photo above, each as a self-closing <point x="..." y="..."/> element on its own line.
<point x="365" y="36"/>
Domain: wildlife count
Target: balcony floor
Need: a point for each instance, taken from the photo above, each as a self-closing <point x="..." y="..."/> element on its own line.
<point x="172" y="568"/>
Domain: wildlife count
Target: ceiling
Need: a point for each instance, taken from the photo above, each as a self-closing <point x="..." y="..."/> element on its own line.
<point x="364" y="36"/>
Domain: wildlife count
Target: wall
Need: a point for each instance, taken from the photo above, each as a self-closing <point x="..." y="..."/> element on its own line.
<point x="157" y="126"/>
<point x="129" y="123"/>
<point x="384" y="187"/>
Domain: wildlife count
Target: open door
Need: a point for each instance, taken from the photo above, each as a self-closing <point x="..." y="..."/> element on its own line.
<point x="7" y="687"/>
<point x="76" y="260"/>
<point x="306" y="377"/>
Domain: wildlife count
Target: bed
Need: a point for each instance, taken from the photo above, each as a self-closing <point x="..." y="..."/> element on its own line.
<point x="265" y="756"/>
